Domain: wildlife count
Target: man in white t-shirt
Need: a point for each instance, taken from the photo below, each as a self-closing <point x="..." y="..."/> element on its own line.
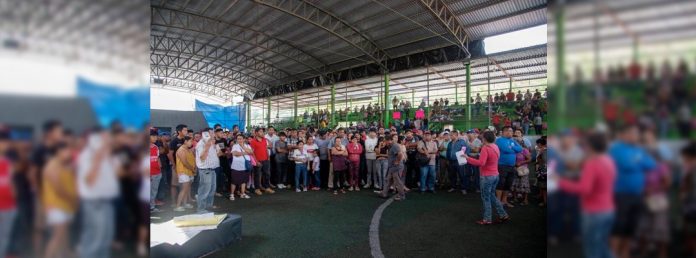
<point x="371" y="158"/>
<point x="207" y="161"/>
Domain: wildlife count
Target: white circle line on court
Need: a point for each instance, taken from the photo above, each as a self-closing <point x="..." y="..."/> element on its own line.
<point x="375" y="247"/>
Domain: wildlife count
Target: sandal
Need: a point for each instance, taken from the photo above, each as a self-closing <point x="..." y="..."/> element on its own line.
<point x="484" y="222"/>
<point x="502" y="219"/>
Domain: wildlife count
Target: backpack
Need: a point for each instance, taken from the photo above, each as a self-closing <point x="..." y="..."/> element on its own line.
<point x="422" y="159"/>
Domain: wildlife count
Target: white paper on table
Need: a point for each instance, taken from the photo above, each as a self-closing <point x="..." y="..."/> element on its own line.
<point x="168" y="232"/>
<point x="461" y="160"/>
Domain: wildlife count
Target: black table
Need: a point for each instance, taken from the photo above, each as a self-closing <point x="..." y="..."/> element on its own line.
<point x="206" y="242"/>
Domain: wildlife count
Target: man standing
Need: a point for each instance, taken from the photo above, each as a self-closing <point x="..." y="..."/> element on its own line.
<point x="155" y="169"/>
<point x="506" y="164"/>
<point x="271" y="138"/>
<point x="396" y="166"/>
<point x="370" y="159"/>
<point x="455" y="170"/>
<point x="281" y="149"/>
<point x="207" y="161"/>
<point x="427" y="176"/>
<point x="323" y="143"/>
<point x="223" y="172"/>
<point x="262" y="171"/>
<point x="8" y="203"/>
<point x="411" y="150"/>
<point x="174" y="144"/>
<point x="473" y="148"/>
<point x="98" y="187"/>
<point x="443" y="165"/>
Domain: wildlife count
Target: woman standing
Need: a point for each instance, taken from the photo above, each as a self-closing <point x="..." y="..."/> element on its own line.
<point x="520" y="185"/>
<point x="541" y="159"/>
<point x="382" y="163"/>
<point x="241" y="167"/>
<point x="596" y="191"/>
<point x="354" y="151"/>
<point x="59" y="192"/>
<point x="185" y="165"/>
<point x="488" y="161"/>
<point x="340" y="165"/>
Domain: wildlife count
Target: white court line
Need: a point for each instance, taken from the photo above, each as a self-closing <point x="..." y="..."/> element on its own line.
<point x="375" y="248"/>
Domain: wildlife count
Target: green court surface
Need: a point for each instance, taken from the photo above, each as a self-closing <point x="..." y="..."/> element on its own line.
<point x="320" y="224"/>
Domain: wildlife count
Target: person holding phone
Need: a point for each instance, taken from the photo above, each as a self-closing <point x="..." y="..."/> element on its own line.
<point x="241" y="166"/>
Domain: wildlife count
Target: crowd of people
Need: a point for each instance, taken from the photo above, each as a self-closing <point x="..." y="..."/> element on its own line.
<point x="74" y="195"/>
<point x="236" y="165"/>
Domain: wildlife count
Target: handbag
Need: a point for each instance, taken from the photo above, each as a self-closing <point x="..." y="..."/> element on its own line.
<point x="522" y="171"/>
<point x="422" y="159"/>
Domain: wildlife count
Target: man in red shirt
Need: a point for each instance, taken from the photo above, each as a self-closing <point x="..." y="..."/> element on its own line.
<point x="262" y="170"/>
<point x="155" y="169"/>
<point x="8" y="206"/>
<point x="510" y="96"/>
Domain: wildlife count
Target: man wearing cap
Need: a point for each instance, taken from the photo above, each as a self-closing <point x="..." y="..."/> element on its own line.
<point x="427" y="172"/>
<point x="272" y="138"/>
<point x="412" y="168"/>
<point x="473" y="148"/>
<point x="207" y="162"/>
<point x="455" y="170"/>
<point x="442" y="178"/>
<point x="155" y="169"/>
<point x="395" y="157"/>
<point x="506" y="164"/>
<point x="8" y="203"/>
<point x="323" y="143"/>
<point x="371" y="159"/>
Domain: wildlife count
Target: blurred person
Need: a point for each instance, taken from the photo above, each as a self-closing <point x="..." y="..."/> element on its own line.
<point x="541" y="169"/>
<point x="300" y="157"/>
<point x="563" y="207"/>
<point x="324" y="144"/>
<point x="506" y="164"/>
<point x="595" y="188"/>
<point x="281" y="159"/>
<point x="654" y="221"/>
<point x="381" y="164"/>
<point x="98" y="188"/>
<point x="443" y="166"/>
<point x="8" y="203"/>
<point x="155" y="170"/>
<point x="207" y="162"/>
<point x="52" y="135"/>
<point x="488" y="163"/>
<point x="59" y="195"/>
<point x="632" y="163"/>
<point x="146" y="199"/>
<point x="262" y="171"/>
<point x="687" y="195"/>
<point x="241" y="167"/>
<point x="354" y="151"/>
<point x="222" y="173"/>
<point x="272" y="137"/>
<point x="174" y="144"/>
<point x="185" y="166"/>
<point x="473" y="144"/>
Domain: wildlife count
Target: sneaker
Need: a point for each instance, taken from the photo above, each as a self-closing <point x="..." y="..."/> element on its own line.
<point x="464" y="192"/>
<point x="316" y="189"/>
<point x="179" y="209"/>
<point x="273" y="187"/>
<point x="153" y="210"/>
<point x="232" y="197"/>
<point x="450" y="190"/>
<point x="269" y="190"/>
<point x="218" y="195"/>
<point x="297" y="190"/>
<point x="397" y="198"/>
<point x="305" y="189"/>
<point x="188" y="206"/>
<point x="350" y="189"/>
<point x="245" y="196"/>
<point x="258" y="192"/>
<point x="366" y="186"/>
<point x="281" y="186"/>
<point x="357" y="189"/>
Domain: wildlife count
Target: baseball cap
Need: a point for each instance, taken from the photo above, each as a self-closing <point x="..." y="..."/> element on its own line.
<point x="492" y="128"/>
<point x="470" y="131"/>
<point x="164" y="133"/>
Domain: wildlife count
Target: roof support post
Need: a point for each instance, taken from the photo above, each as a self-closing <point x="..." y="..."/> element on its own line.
<point x="268" y="113"/>
<point x="468" y="96"/>
<point x="386" y="100"/>
<point x="248" y="116"/>
<point x="560" y="66"/>
<point x="333" y="104"/>
<point x="489" y="98"/>
<point x="294" y="118"/>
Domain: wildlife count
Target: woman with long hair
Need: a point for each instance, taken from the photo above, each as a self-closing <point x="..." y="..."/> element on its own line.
<point x="185" y="167"/>
<point x="339" y="160"/>
<point x="354" y="150"/>
<point x="488" y="161"/>
<point x="241" y="167"/>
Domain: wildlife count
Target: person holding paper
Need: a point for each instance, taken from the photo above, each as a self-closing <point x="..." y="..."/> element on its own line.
<point x="456" y="144"/>
<point x="508" y="155"/>
<point x="488" y="163"/>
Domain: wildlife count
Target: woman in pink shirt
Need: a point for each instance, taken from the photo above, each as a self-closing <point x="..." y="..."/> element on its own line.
<point x="488" y="161"/>
<point x="354" y="151"/>
<point x="596" y="189"/>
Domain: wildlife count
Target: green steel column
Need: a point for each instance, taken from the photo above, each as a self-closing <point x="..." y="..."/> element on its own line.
<point x="635" y="50"/>
<point x="248" y="115"/>
<point x="333" y="104"/>
<point x="510" y="83"/>
<point x="294" y="118"/>
<point x="468" y="96"/>
<point x="413" y="96"/>
<point x="387" y="107"/>
<point x="268" y="114"/>
<point x="456" y="93"/>
<point x="427" y="104"/>
<point x="560" y="67"/>
<point x="488" y="98"/>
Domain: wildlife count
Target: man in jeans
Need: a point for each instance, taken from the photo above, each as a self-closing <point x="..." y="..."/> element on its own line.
<point x="427" y="178"/>
<point x="371" y="160"/>
<point x="155" y="171"/>
<point x="473" y="148"/>
<point x="262" y="172"/>
<point x="98" y="188"/>
<point x="396" y="167"/>
<point x="455" y="170"/>
<point x="207" y="161"/>
<point x="506" y="164"/>
<point x="8" y="204"/>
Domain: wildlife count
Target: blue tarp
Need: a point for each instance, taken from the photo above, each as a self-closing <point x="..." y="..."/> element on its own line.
<point x="111" y="102"/>
<point x="225" y="116"/>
